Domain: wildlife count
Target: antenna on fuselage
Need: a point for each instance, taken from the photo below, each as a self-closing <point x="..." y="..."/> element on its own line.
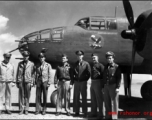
<point x="116" y="11"/>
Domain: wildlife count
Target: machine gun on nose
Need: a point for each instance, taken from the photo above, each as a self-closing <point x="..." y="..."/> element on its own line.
<point x="21" y="46"/>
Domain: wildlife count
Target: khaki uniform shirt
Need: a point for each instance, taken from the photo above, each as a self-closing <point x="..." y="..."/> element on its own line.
<point x="6" y="72"/>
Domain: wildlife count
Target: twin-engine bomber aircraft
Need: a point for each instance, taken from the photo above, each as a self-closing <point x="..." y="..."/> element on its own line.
<point x="99" y="34"/>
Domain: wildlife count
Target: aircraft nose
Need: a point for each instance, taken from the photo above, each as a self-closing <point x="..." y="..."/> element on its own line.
<point x="23" y="46"/>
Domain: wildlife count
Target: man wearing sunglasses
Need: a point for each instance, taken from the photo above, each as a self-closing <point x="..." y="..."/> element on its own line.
<point x="6" y="82"/>
<point x="25" y="79"/>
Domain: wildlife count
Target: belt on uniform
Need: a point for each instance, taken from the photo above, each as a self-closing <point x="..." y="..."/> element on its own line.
<point x="63" y="80"/>
<point x="109" y="84"/>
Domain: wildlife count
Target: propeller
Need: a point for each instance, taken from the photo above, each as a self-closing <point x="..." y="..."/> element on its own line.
<point x="131" y="32"/>
<point x="129" y="12"/>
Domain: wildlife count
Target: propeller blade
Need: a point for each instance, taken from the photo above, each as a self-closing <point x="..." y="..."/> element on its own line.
<point x="129" y="12"/>
<point x="133" y="60"/>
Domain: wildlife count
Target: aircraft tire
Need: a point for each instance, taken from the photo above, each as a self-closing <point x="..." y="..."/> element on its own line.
<point x="146" y="90"/>
<point x="53" y="98"/>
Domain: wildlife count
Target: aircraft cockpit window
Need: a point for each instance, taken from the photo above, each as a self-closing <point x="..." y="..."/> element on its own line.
<point x="45" y="35"/>
<point x="84" y="23"/>
<point x="111" y="24"/>
<point x="33" y="38"/>
<point x="97" y="24"/>
<point x="57" y="35"/>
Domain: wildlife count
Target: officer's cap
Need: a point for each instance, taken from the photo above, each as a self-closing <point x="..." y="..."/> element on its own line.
<point x="25" y="53"/>
<point x="41" y="55"/>
<point x="110" y="53"/>
<point x="79" y="52"/>
<point x="64" y="55"/>
<point x="8" y="55"/>
<point x="94" y="54"/>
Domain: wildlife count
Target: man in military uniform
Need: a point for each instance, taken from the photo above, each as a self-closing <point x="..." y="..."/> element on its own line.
<point x="6" y="82"/>
<point x="82" y="72"/>
<point x="96" y="87"/>
<point x="63" y="83"/>
<point x="25" y="80"/>
<point x="43" y="81"/>
<point x="112" y="79"/>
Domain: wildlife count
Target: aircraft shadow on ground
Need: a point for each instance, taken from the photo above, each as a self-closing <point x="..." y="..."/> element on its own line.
<point x="134" y="107"/>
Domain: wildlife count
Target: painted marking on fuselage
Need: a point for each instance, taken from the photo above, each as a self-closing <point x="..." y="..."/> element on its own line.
<point x="96" y="42"/>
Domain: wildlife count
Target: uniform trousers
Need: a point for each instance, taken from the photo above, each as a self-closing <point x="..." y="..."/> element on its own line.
<point x="5" y="91"/>
<point x="24" y="95"/>
<point x="96" y="98"/>
<point x="41" y="88"/>
<point x="80" y="88"/>
<point x="111" y="101"/>
<point x="63" y="91"/>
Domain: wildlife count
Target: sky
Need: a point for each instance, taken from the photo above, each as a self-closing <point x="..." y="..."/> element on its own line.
<point x="19" y="18"/>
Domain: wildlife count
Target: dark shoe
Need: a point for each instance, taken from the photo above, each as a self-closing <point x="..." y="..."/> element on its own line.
<point x="101" y="117"/>
<point x="21" y="112"/>
<point x="68" y="114"/>
<point x="76" y="114"/>
<point x="8" y="112"/>
<point x="36" y="113"/>
<point x="26" y="112"/>
<point x="85" y="115"/>
<point x="58" y="113"/>
<point x="43" y="113"/>
<point x="92" y="115"/>
<point x="0" y="112"/>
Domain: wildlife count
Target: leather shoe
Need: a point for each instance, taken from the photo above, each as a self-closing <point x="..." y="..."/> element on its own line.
<point x="58" y="113"/>
<point x="76" y="114"/>
<point x="37" y="112"/>
<point x="21" y="112"/>
<point x="26" y="112"/>
<point x="85" y="115"/>
<point x="68" y="114"/>
<point x="92" y="115"/>
<point x="43" y="113"/>
<point x="8" y="112"/>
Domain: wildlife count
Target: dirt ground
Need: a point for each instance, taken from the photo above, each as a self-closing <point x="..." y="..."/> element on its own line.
<point x="134" y="104"/>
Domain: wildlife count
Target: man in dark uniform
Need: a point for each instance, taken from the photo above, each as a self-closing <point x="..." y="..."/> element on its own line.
<point x="96" y="87"/>
<point x="82" y="72"/>
<point x="25" y="79"/>
<point x="43" y="81"/>
<point x="63" y="83"/>
<point x="112" y="79"/>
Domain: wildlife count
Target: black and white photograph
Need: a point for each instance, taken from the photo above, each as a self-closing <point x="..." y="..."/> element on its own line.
<point x="76" y="59"/>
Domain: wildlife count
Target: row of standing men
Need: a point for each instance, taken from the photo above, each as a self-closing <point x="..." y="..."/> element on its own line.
<point x="105" y="83"/>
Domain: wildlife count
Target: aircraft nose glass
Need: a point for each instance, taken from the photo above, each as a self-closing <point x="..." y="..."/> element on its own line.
<point x="23" y="46"/>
